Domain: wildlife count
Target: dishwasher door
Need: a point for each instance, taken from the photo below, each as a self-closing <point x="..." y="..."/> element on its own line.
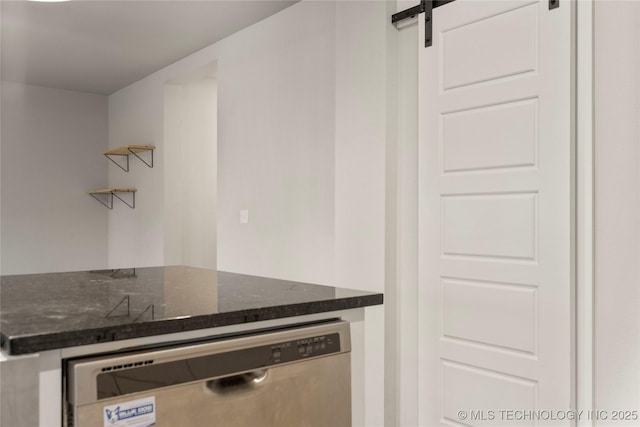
<point x="293" y="377"/>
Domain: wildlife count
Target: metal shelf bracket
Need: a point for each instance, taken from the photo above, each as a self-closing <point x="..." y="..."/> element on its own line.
<point x="126" y="156"/>
<point x="128" y="150"/>
<point x="128" y="306"/>
<point x="135" y="153"/>
<point x="105" y="197"/>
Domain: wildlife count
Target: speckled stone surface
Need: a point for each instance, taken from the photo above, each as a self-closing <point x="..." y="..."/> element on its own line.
<point x="55" y="310"/>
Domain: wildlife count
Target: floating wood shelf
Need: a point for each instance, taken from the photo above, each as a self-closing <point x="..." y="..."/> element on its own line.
<point x="127" y="150"/>
<point x="113" y="192"/>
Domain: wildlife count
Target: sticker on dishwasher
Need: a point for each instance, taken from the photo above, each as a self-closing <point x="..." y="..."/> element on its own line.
<point x="135" y="413"/>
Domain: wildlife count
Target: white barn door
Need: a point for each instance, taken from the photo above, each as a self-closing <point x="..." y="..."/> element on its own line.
<point x="496" y="214"/>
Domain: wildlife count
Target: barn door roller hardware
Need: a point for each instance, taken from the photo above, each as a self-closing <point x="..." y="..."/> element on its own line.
<point x="426" y="7"/>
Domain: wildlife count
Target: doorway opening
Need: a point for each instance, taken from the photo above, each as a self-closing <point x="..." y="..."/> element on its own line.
<point x="190" y="162"/>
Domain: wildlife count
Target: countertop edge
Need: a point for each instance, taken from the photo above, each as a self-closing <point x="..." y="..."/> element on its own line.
<point x="23" y="345"/>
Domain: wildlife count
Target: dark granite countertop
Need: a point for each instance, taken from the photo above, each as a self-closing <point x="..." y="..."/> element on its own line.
<point x="55" y="310"/>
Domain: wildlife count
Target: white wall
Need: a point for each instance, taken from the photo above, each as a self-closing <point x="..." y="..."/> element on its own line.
<point x="275" y="150"/>
<point x="360" y="144"/>
<point x="52" y="143"/>
<point x="403" y="303"/>
<point x="365" y="174"/>
<point x="276" y="146"/>
<point x="301" y="145"/>
<point x="617" y="215"/>
<point x="136" y="235"/>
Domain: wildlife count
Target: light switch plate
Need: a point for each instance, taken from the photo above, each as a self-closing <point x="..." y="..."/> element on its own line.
<point x="244" y="216"/>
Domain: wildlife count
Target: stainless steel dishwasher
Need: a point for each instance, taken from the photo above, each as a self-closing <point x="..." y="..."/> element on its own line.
<point x="290" y="377"/>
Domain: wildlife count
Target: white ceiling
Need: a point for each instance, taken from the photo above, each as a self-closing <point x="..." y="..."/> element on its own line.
<point x="102" y="46"/>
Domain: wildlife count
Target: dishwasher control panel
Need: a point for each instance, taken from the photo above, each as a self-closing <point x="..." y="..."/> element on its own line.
<point x="308" y="347"/>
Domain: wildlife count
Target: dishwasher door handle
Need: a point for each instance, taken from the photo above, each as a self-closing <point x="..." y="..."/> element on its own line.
<point x="238" y="382"/>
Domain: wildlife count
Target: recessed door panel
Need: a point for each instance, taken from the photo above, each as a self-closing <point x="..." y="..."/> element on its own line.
<point x="497" y="226"/>
<point x="490" y="47"/>
<point x="488" y="314"/>
<point x="491" y="138"/>
<point x="488" y="396"/>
